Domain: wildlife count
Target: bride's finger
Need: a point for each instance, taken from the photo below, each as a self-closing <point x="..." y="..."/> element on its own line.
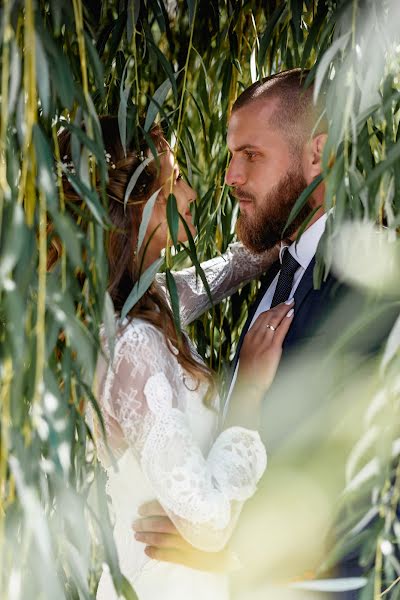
<point x="154" y="525"/>
<point x="272" y="318"/>
<point x="283" y="328"/>
<point x="163" y="540"/>
<point x="151" y="509"/>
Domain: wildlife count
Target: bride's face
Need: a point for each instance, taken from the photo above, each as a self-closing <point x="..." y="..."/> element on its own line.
<point x="170" y="182"/>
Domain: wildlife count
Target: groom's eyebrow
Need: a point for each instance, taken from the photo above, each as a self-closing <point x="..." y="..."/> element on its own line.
<point x="244" y="147"/>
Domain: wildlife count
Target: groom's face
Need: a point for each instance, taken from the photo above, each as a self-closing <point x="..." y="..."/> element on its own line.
<point x="266" y="174"/>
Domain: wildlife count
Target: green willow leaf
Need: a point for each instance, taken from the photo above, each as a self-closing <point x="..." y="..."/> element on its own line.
<point x="150" y="142"/>
<point x="127" y="590"/>
<point x="141" y="287"/>
<point x="45" y="160"/>
<point x="192" y="4"/>
<point x="326" y="60"/>
<point x="316" y="27"/>
<point x="61" y="73"/>
<point x="110" y="324"/>
<point x="392" y="157"/>
<point x="147" y="212"/>
<point x="305" y="224"/>
<point x="15" y="77"/>
<point x="117" y="32"/>
<point x="97" y="66"/>
<point x="12" y="241"/>
<point x="301" y="201"/>
<point x="42" y="76"/>
<point x="133" y="11"/>
<point x="14" y="308"/>
<point x="135" y="176"/>
<point x="38" y="525"/>
<point x="188" y="164"/>
<point x="69" y="233"/>
<point x="191" y="251"/>
<point x="124" y="94"/>
<point x="80" y="338"/>
<point x="95" y="149"/>
<point x="174" y="297"/>
<point x="166" y="66"/>
<point x="296" y="7"/>
<point x="173" y="218"/>
<point x="157" y="101"/>
<point x="280" y="13"/>
<point x="90" y="196"/>
<point x="201" y="117"/>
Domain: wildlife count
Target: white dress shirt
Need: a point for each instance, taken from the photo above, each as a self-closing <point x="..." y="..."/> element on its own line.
<point x="303" y="251"/>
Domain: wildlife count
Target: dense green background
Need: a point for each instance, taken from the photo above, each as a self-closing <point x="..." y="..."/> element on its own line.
<point x="67" y="62"/>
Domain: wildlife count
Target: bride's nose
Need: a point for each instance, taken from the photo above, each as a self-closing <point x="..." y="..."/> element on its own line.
<point x="191" y="194"/>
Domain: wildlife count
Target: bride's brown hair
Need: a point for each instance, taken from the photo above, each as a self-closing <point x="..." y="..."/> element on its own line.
<point x="121" y="240"/>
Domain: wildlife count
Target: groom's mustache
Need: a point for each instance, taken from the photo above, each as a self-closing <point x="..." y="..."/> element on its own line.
<point x="240" y="194"/>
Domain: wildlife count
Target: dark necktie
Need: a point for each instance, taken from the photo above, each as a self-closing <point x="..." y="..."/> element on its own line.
<point x="285" y="279"/>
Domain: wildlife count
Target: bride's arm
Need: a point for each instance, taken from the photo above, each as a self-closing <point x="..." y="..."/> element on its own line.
<point x="224" y="274"/>
<point x="202" y="495"/>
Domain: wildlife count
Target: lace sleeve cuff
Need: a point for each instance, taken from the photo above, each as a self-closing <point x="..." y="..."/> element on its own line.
<point x="237" y="461"/>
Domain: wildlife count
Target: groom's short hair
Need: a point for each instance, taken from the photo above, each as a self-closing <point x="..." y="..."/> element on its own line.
<point x="295" y="113"/>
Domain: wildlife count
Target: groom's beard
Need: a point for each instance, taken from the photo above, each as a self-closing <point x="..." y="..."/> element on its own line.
<point x="263" y="229"/>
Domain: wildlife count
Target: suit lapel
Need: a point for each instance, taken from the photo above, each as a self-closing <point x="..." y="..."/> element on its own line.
<point x="306" y="284"/>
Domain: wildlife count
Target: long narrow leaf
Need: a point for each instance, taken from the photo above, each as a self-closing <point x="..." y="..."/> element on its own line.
<point x="301" y="201"/>
<point x="141" y="287"/>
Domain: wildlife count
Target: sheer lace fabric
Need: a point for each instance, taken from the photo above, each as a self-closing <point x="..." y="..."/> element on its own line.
<point x="165" y="439"/>
<point x="224" y="274"/>
<point x="150" y="396"/>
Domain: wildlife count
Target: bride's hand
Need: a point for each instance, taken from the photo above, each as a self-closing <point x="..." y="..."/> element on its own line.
<point x="262" y="346"/>
<point x="164" y="542"/>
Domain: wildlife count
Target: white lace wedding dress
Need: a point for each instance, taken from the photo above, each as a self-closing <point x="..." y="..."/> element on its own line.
<point x="166" y="445"/>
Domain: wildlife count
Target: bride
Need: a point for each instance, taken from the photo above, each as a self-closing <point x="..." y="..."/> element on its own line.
<point x="158" y="398"/>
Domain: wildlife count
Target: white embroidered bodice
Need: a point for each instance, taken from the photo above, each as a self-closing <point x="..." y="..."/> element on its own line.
<point x="165" y="438"/>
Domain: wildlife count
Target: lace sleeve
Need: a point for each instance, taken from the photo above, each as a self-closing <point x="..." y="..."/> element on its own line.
<point x="224" y="274"/>
<point x="201" y="494"/>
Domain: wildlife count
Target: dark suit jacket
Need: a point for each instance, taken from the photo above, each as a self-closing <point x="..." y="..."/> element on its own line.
<point x="335" y="329"/>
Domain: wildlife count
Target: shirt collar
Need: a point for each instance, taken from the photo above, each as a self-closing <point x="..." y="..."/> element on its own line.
<point x="306" y="247"/>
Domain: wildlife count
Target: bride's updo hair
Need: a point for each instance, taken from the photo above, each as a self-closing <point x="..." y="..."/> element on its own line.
<point x="121" y="239"/>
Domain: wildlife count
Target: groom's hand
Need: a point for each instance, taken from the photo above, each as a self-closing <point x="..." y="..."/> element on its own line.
<point x="163" y="542"/>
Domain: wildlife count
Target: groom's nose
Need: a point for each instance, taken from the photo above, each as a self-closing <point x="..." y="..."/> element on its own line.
<point x="235" y="175"/>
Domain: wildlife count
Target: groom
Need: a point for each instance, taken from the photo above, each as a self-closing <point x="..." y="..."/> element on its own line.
<point x="276" y="140"/>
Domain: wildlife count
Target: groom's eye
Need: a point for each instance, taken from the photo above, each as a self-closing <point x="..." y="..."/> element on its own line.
<point x="250" y="155"/>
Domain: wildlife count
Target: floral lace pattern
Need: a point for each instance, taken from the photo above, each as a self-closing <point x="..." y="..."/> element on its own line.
<point x="150" y="411"/>
<point x="224" y="274"/>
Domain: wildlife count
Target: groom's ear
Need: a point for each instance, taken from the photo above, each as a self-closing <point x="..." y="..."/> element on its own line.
<point x="317" y="149"/>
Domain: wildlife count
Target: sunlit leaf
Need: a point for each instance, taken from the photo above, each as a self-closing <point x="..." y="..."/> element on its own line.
<point x="166" y="66"/>
<point x="146" y="215"/>
<point x="12" y="240"/>
<point x="174" y="298"/>
<point x="42" y="76"/>
<point x="141" y="287"/>
<point x="301" y="201"/>
<point x="135" y="176"/>
<point x="157" y="101"/>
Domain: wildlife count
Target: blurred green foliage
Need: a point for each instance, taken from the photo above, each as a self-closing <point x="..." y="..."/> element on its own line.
<point x="184" y="62"/>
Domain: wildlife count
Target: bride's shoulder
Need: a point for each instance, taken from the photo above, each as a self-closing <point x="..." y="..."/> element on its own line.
<point x="138" y="331"/>
<point x="138" y="338"/>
